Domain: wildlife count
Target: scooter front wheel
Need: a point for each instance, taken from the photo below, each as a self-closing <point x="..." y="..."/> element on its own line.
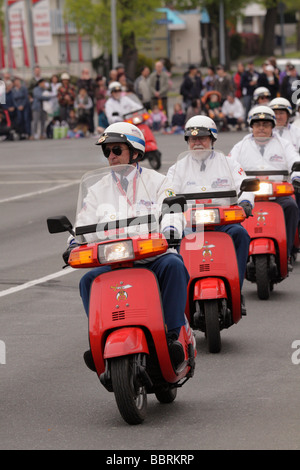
<point x="213" y="334"/>
<point x="262" y="277"/>
<point x="130" y="394"/>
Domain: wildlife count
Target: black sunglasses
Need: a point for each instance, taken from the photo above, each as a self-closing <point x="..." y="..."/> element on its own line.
<point x="117" y="150"/>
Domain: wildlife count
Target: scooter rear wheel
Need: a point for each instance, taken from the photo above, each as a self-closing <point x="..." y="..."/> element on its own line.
<point x="154" y="158"/>
<point x="213" y="334"/>
<point x="130" y="395"/>
<point x="262" y="277"/>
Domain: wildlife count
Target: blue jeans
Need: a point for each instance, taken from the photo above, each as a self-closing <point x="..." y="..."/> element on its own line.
<point x="172" y="278"/>
<point x="291" y="215"/>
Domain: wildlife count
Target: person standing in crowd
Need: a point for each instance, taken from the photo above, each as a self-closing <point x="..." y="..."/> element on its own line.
<point x="237" y="77"/>
<point x="39" y="116"/>
<point x="208" y="81"/>
<point x="66" y="96"/>
<point x="223" y="83"/>
<point x="191" y="86"/>
<point x="10" y="104"/>
<point x="269" y="80"/>
<point x="85" y="81"/>
<point x="37" y="75"/>
<point x="23" y="108"/>
<point x="141" y="87"/>
<point x="249" y="80"/>
<point x="290" y="85"/>
<point x="159" y="86"/>
<point x="83" y="105"/>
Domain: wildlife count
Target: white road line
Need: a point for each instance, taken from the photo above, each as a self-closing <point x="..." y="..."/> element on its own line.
<point x="36" y="193"/>
<point x="13" y="290"/>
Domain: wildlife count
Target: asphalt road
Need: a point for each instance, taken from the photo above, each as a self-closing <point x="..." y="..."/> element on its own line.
<point x="246" y="397"/>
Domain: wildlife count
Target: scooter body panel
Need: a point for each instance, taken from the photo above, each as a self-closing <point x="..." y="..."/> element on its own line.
<point x="268" y="222"/>
<point x="210" y="258"/>
<point x="128" y="299"/>
<point x="150" y="141"/>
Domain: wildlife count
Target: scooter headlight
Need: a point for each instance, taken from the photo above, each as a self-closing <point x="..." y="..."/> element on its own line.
<point x="115" y="251"/>
<point x="206" y="216"/>
<point x="265" y="189"/>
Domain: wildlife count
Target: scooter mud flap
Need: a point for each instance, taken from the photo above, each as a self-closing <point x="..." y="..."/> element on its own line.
<point x="125" y="341"/>
<point x="262" y="246"/>
<point x="209" y="288"/>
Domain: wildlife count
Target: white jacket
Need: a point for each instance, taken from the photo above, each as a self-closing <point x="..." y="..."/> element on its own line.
<point x="279" y="154"/>
<point x="290" y="132"/>
<point x="115" y="109"/>
<point x="106" y="202"/>
<point x="221" y="174"/>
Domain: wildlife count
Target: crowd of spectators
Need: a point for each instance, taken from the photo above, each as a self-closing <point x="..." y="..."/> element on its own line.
<point x="33" y="110"/>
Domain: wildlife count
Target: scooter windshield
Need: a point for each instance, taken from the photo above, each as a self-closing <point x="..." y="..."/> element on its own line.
<point x="114" y="202"/>
<point x="204" y="175"/>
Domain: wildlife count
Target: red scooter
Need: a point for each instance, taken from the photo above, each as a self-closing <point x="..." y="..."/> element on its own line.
<point x="139" y="118"/>
<point x="214" y="295"/>
<point x="268" y="264"/>
<point x="127" y="333"/>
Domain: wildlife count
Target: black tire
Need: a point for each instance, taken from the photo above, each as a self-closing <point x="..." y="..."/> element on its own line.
<point x="213" y="334"/>
<point x="166" y="394"/>
<point x="262" y="277"/>
<point x="131" y="397"/>
<point x="154" y="159"/>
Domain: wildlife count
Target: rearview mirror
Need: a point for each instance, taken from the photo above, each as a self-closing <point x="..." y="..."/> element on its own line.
<point x="296" y="166"/>
<point x="250" y="184"/>
<point x="59" y="223"/>
<point x="173" y="205"/>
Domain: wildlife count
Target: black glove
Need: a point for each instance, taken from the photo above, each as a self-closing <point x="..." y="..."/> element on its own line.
<point x="172" y="237"/>
<point x="66" y="253"/>
<point x="247" y="208"/>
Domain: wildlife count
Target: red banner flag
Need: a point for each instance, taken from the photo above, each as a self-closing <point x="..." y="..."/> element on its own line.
<point x="68" y="51"/>
<point x="80" y="54"/>
<point x="2" y="51"/>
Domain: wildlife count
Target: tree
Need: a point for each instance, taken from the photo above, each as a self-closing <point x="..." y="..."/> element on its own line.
<point x="134" y="19"/>
<point x="232" y="9"/>
<point x="268" y="40"/>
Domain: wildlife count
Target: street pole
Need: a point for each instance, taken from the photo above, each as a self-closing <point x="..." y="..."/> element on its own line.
<point x="30" y="30"/>
<point x="114" y="39"/>
<point x="222" y="33"/>
<point x="281" y="12"/>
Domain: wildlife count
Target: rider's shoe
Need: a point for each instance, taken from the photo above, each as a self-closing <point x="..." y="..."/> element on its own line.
<point x="176" y="352"/>
<point x="89" y="361"/>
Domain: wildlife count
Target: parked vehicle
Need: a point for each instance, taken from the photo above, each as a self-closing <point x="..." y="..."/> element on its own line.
<point x="139" y="118"/>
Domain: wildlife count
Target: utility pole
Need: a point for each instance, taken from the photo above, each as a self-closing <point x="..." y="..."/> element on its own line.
<point x="30" y="30"/>
<point x="114" y="39"/>
<point x="222" y="33"/>
<point x="7" y="34"/>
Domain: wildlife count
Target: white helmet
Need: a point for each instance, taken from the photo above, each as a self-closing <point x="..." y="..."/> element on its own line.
<point x="201" y="126"/>
<point x="127" y="133"/>
<point x="261" y="113"/>
<point x="115" y="86"/>
<point x="281" y="103"/>
<point x="261" y="91"/>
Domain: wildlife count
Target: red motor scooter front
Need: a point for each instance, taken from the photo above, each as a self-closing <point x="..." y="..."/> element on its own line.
<point x="268" y="263"/>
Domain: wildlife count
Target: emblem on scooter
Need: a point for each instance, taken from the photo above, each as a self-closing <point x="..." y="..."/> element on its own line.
<point x="121" y="294"/>
<point x="261" y="217"/>
<point x="207" y="251"/>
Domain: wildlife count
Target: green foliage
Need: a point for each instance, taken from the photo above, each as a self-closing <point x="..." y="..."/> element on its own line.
<point x="94" y="18"/>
